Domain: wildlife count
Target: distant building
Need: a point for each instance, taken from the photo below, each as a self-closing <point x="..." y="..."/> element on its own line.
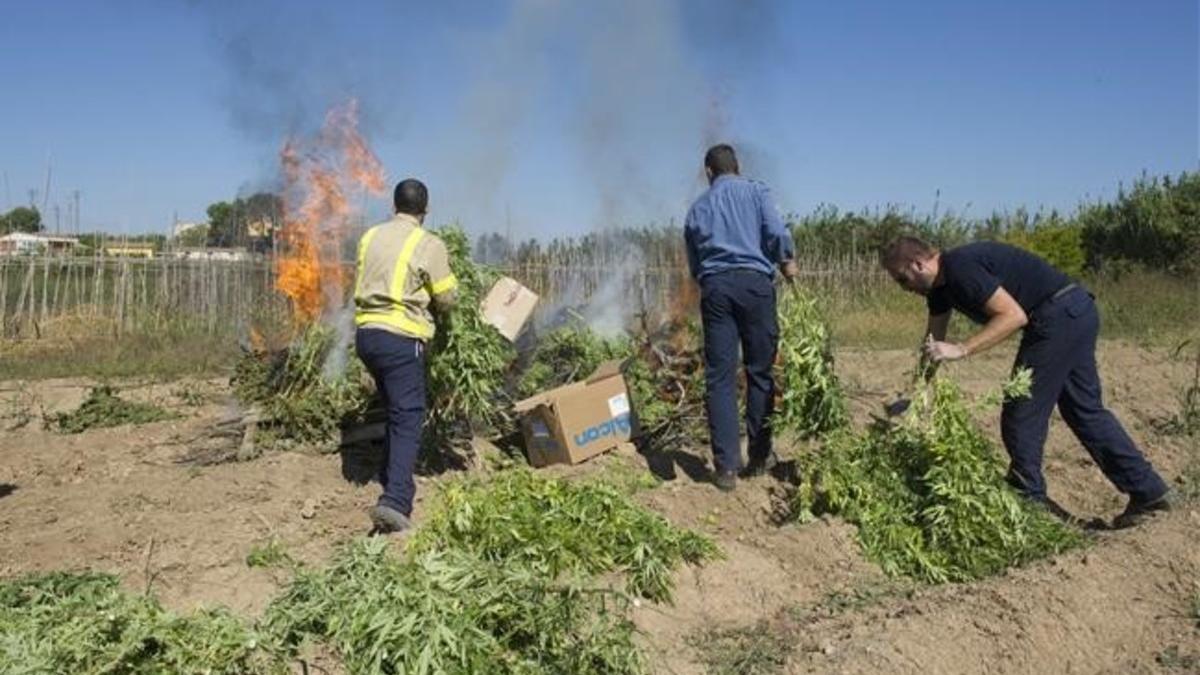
<point x="184" y="226"/>
<point x="260" y="229"/>
<point x="23" y="243"/>
<point x="130" y="249"/>
<point x="213" y="253"/>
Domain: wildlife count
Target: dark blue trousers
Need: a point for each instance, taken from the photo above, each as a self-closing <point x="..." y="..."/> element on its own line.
<point x="738" y="310"/>
<point x="1059" y="345"/>
<point x="398" y="365"/>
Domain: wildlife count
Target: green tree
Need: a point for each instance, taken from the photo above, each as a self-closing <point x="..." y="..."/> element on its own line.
<point x="21" y="219"/>
<point x="263" y="206"/>
<point x="229" y="222"/>
<point x="222" y="224"/>
<point x="193" y="237"/>
<point x="1156" y="224"/>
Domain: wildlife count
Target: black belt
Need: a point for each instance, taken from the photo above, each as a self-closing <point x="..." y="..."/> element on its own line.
<point x="1054" y="296"/>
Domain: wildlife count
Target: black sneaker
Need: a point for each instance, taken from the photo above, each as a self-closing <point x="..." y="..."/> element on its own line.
<point x="388" y="520"/>
<point x="725" y="481"/>
<point x="759" y="467"/>
<point x="1139" y="510"/>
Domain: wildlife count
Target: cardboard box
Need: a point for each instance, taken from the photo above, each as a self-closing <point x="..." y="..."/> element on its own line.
<point x="580" y="420"/>
<point x="508" y="307"/>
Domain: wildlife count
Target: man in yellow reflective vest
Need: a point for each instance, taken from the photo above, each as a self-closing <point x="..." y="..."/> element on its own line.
<point x="403" y="273"/>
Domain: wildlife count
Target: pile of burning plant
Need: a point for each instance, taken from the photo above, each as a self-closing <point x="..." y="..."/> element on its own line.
<point x="313" y="391"/>
<point x="297" y="399"/>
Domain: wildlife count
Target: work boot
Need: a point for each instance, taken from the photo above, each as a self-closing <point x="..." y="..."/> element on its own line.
<point x="1138" y="510"/>
<point x="725" y="481"/>
<point x="760" y="466"/>
<point x="388" y="520"/>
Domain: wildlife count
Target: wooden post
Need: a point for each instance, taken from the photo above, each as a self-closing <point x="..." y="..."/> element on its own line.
<point x="45" y="285"/>
<point x="3" y="297"/>
<point x="54" y="306"/>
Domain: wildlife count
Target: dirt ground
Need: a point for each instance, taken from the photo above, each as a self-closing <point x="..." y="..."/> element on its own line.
<point x="119" y="500"/>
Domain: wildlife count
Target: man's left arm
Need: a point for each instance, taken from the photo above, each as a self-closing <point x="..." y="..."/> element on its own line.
<point x="689" y="242"/>
<point x="442" y="283"/>
<point x="777" y="240"/>
<point x="1005" y="317"/>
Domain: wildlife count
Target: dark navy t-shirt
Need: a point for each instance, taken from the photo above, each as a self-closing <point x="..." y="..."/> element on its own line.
<point x="973" y="272"/>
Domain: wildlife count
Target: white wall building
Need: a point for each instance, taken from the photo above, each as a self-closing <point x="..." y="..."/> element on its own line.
<point x="23" y="243"/>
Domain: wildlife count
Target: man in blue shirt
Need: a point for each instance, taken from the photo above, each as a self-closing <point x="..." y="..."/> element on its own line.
<point x="735" y="238"/>
<point x="1007" y="289"/>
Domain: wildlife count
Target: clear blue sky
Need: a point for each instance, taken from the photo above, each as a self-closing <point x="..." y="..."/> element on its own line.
<point x="559" y="116"/>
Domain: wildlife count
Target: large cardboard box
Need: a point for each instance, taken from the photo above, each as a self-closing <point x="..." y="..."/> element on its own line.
<point x="580" y="420"/>
<point x="508" y="307"/>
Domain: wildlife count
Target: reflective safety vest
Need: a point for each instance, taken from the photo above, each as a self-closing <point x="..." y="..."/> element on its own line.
<point x="401" y="268"/>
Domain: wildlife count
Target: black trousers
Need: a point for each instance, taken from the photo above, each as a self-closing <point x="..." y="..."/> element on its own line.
<point x="1059" y="345"/>
<point x="398" y="365"/>
<point x="738" y="311"/>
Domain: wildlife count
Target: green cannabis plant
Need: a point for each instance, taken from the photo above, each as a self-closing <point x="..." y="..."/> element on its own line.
<point x="103" y="407"/>
<point x="62" y="622"/>
<point x="557" y="527"/>
<point x="297" y="398"/>
<point x="449" y="611"/>
<point x="928" y="494"/>
<point x="811" y="401"/>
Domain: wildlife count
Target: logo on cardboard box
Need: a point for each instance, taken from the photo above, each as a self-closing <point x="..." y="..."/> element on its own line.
<point x="620" y="424"/>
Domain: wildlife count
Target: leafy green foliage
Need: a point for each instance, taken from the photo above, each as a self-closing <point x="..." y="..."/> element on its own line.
<point x="297" y="401"/>
<point x="229" y="222"/>
<point x="468" y="360"/>
<point x="21" y="219"/>
<point x="812" y="402"/>
<point x="1058" y="242"/>
<point x="663" y="373"/>
<point x="928" y="495"/>
<point x="1156" y="224"/>
<point x="104" y="408"/>
<point x="569" y="354"/>
<point x="84" y="623"/>
<point x="555" y="527"/>
<point x="271" y="553"/>
<point x="448" y="611"/>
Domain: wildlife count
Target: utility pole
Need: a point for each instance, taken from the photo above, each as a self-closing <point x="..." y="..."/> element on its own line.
<point x="75" y="195"/>
<point x="7" y="194"/>
<point x="46" y="190"/>
<point x="57" y="221"/>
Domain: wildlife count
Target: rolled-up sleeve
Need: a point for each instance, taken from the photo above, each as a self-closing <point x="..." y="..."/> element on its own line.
<point x="777" y="240"/>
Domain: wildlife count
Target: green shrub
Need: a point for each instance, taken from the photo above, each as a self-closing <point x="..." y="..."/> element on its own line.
<point x="1156" y="224"/>
<point x="297" y="399"/>
<point x="448" y="611"/>
<point x="928" y="494"/>
<point x="1060" y="244"/>
<point x="62" y="622"/>
<point x="811" y="399"/>
<point x="104" y="408"/>
<point x="468" y="360"/>
<point x="555" y="527"/>
<point x="569" y="354"/>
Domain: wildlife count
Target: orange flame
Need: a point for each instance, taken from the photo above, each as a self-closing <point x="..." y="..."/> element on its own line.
<point x="319" y="175"/>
